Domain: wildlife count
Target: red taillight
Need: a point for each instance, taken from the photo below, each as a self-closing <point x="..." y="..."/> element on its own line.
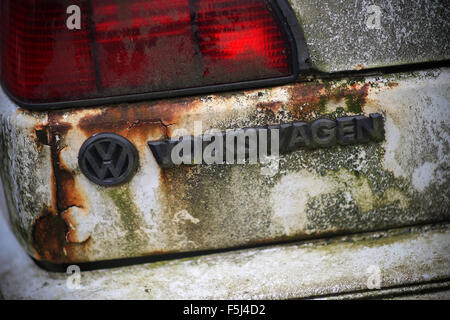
<point x="240" y="40"/>
<point x="42" y="60"/>
<point x="142" y="47"/>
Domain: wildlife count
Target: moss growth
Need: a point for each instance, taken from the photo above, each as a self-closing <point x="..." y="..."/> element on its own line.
<point x="322" y="104"/>
<point x="353" y="103"/>
<point x="130" y="217"/>
<point x="353" y="81"/>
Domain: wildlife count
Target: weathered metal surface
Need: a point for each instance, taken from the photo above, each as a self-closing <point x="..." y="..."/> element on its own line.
<point x="63" y="217"/>
<point x="413" y="257"/>
<point x="423" y="291"/>
<point x="438" y="295"/>
<point x="344" y="35"/>
<point x="25" y="168"/>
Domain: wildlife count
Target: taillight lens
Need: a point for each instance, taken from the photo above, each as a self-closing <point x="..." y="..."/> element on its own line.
<point x="125" y="47"/>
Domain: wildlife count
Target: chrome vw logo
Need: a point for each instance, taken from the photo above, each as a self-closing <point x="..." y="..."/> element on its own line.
<point x="108" y="159"/>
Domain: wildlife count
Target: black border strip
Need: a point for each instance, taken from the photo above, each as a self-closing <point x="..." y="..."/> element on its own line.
<point x="284" y="14"/>
<point x="282" y="241"/>
<point x="386" y="70"/>
<point x="291" y="23"/>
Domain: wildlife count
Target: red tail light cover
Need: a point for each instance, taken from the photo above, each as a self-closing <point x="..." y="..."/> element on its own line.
<point x="130" y="50"/>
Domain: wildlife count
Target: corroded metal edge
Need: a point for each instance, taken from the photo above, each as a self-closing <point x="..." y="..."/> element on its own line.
<point x="406" y="257"/>
<point x="435" y="291"/>
<point x="61" y="217"/>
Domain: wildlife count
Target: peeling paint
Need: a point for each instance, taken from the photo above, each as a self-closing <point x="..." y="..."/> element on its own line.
<point x="79" y="224"/>
<point x="334" y="268"/>
<point x="290" y="196"/>
<point x="401" y="181"/>
<point x="49" y="237"/>
<point x="131" y="220"/>
<point x="182" y="216"/>
<point x="423" y="175"/>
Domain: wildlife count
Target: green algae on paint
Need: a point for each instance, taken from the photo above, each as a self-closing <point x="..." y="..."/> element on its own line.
<point x="130" y="217"/>
<point x="354" y="103"/>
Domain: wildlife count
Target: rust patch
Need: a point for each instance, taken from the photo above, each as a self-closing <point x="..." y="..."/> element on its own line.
<point x="307" y="99"/>
<point x="50" y="230"/>
<point x="49" y="237"/>
<point x="270" y="107"/>
<point x="139" y="121"/>
<point x="392" y="84"/>
<point x="67" y="194"/>
<point x="71" y="217"/>
<point x="50" y="240"/>
<point x="41" y="135"/>
<point x="78" y="251"/>
<point x="125" y="121"/>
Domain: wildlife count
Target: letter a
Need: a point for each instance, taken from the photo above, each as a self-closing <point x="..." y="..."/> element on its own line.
<point x="74" y="21"/>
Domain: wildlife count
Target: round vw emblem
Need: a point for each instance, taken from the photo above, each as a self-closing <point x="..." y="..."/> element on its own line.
<point x="108" y="159"/>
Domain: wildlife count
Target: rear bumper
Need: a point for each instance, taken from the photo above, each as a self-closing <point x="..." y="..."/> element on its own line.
<point x="59" y="216"/>
<point x="410" y="262"/>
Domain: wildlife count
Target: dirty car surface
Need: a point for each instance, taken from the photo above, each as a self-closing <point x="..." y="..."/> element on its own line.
<point x="61" y="217"/>
<point x="400" y="181"/>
